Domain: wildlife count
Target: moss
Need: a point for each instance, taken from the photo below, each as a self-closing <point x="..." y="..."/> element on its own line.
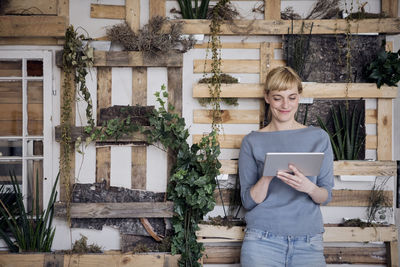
<point x="81" y="247"/>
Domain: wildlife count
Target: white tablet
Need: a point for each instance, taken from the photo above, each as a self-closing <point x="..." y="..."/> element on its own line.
<point x="308" y="163"/>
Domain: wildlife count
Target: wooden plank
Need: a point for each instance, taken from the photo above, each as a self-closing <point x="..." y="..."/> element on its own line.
<point x="341" y="167"/>
<point x="32" y="26"/>
<point x="157" y="8"/>
<point x="139" y="153"/>
<point x="234" y="65"/>
<point x="340" y="198"/>
<point x="225" y="140"/>
<point x="392" y="250"/>
<point x="360" y="167"/>
<point x="212" y="234"/>
<point x="37" y="169"/>
<point x="112" y="259"/>
<point x="235" y="140"/>
<point x="53" y="260"/>
<point x="136" y="138"/>
<point x="355" y="255"/>
<point x="230" y="254"/>
<point x="37" y="7"/>
<point x="231" y="45"/>
<point x="98" y="11"/>
<point x="135" y="59"/>
<point x="278" y="27"/>
<point x="119" y="210"/>
<point x="272" y="10"/>
<point x="22" y="260"/>
<point x="103" y="88"/>
<point x="314" y="90"/>
<point x="228" y="116"/>
<point x="121" y="260"/>
<point x="132" y="14"/>
<point x="371" y="142"/>
<point x="139" y="159"/>
<point x="384" y="129"/>
<point x="63" y="10"/>
<point x="103" y="165"/>
<point x="370" y="116"/>
<point x="390" y="7"/>
<point x="175" y="88"/>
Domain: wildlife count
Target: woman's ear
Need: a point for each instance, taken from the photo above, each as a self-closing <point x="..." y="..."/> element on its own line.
<point x="266" y="98"/>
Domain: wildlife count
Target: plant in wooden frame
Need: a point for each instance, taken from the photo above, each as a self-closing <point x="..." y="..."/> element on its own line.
<point x="385" y="68"/>
<point x="32" y="230"/>
<point x="346" y="138"/>
<point x="197" y="11"/>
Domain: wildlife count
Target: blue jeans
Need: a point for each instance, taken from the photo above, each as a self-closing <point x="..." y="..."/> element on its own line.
<point x="261" y="248"/>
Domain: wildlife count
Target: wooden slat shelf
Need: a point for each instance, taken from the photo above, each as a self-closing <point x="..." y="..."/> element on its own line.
<point x="268" y="26"/>
<point x="212" y="234"/>
<point x="235" y="140"/>
<point x="279" y="27"/>
<point x="314" y="90"/>
<point x="117" y="210"/>
<point x="342" y="167"/>
<point x="340" y="197"/>
<point x="227" y="116"/>
<point x="113" y="258"/>
<point x="230" y="254"/>
<point x="80" y="132"/>
<point x="32" y="26"/>
<point x="131" y="59"/>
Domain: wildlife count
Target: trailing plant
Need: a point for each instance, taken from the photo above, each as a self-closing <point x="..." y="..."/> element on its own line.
<point x="31" y="229"/>
<point x="385" y="68"/>
<point x="346" y="135"/>
<point x="189" y="11"/>
<point x="215" y="84"/>
<point x="77" y="57"/>
<point x="225" y="78"/>
<point x="151" y="39"/>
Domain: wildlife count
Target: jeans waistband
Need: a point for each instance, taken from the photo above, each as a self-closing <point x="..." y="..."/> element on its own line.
<point x="268" y="234"/>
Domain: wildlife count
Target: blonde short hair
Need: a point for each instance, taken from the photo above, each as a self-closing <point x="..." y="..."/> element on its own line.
<point x="281" y="79"/>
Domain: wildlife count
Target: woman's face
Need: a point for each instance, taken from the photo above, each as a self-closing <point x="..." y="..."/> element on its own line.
<point x="283" y="104"/>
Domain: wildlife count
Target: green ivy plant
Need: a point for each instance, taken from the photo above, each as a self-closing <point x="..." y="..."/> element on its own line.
<point x="77" y="57"/>
<point x="192" y="179"/>
<point x="385" y="69"/>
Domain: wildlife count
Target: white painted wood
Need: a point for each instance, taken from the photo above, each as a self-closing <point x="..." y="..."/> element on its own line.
<point x="121" y="84"/>
<point x="79" y="15"/>
<point x="120" y="171"/>
<point x="156" y="169"/>
<point x="91" y="83"/>
<point x="85" y="164"/>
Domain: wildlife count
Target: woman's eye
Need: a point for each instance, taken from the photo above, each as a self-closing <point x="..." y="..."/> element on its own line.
<point x="277" y="99"/>
<point x="293" y="98"/>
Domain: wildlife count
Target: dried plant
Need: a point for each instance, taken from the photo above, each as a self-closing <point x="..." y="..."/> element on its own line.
<point x="324" y="9"/>
<point x="289" y="14"/>
<point x="151" y="39"/>
<point x="223" y="12"/>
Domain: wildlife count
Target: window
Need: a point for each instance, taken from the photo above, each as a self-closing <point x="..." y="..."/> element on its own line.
<point x="25" y="118"/>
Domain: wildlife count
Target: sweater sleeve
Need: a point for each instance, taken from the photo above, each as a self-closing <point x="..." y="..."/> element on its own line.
<point x="247" y="173"/>
<point x="325" y="178"/>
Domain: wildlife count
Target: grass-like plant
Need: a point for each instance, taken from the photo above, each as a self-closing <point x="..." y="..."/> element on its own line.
<point x="346" y="137"/>
<point x="189" y="11"/>
<point x="32" y="230"/>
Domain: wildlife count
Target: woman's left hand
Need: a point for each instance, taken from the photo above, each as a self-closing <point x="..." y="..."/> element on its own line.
<point x="297" y="180"/>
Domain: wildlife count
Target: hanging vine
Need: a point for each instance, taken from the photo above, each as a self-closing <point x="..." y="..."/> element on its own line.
<point x="215" y="83"/>
<point x="76" y="59"/>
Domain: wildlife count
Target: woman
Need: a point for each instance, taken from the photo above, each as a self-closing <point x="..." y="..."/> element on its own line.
<point x="284" y="221"/>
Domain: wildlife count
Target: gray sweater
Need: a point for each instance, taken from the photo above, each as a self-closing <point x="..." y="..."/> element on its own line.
<point x="285" y="211"/>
